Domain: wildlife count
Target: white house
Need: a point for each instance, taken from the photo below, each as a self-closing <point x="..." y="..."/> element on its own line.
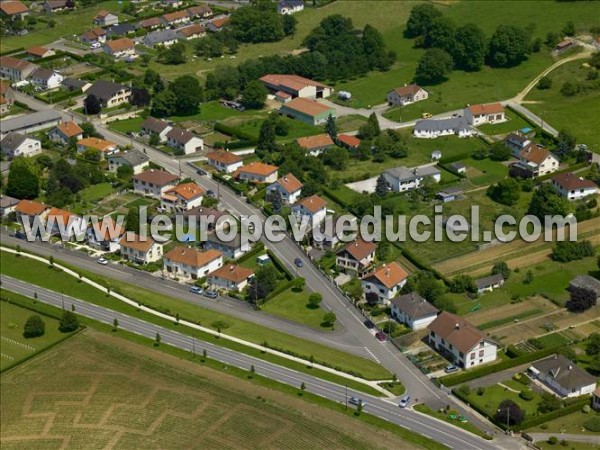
<point x="184" y="140"/>
<point x="176" y="18"/>
<point x="109" y="93"/>
<point x="45" y="78"/>
<point x="455" y="338"/>
<point x="16" y="144"/>
<point x="313" y="207"/>
<point x="16" y="69"/>
<point x="356" y="256"/>
<point x="30" y="209"/>
<point x="105" y="235"/>
<point x="104" y="147"/>
<point x="516" y="142"/>
<point x="182" y="197"/>
<point x="488" y="284"/>
<point x="563" y="376"/>
<point x="406" y="95"/>
<point x="138" y="250"/>
<point x="225" y="161"/>
<point x="105" y="18"/>
<point x="191" y="263"/>
<point x="63" y="223"/>
<point x="481" y="114"/>
<point x="432" y="128"/>
<point x="315" y="145"/>
<point x="153" y="183"/>
<point x="572" y="187"/>
<point x="385" y="282"/>
<point x="135" y="159"/>
<point x="257" y="172"/>
<point x="66" y="131"/>
<point x="413" y="310"/>
<point x="290" y="6"/>
<point x="230" y="277"/>
<point x="288" y="187"/>
<point x="330" y="232"/>
<point x="120" y="48"/>
<point x="159" y="127"/>
<point x="402" y="179"/>
<point x="537" y="161"/>
<point x="94" y="36"/>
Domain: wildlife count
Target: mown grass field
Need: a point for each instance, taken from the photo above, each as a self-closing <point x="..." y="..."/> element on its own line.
<point x="292" y="305"/>
<point x="116" y="394"/>
<point x="571" y="424"/>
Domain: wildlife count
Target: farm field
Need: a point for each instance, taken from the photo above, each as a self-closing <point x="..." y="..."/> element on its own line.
<point x="15" y="347"/>
<point x="123" y="395"/>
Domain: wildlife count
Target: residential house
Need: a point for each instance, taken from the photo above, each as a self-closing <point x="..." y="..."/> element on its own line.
<point x="296" y="86"/>
<point x="63" y="223"/>
<point x="230" y="277"/>
<point x="536" y="161"/>
<point x="93" y="36"/>
<point x="402" y="179"/>
<point x="307" y="111"/>
<point x="586" y="282"/>
<point x="206" y="218"/>
<point x="488" y="284"/>
<point x="458" y="167"/>
<point x="356" y="256"/>
<point x="385" y="282"/>
<point x="163" y="38"/>
<point x="8" y="205"/>
<point x="16" y="144"/>
<point x="159" y="127"/>
<point x="572" y="187"/>
<point x="331" y="231"/>
<point x="120" y="48"/>
<point x="135" y="159"/>
<point x="105" y="18"/>
<point x="182" y="197"/>
<point x="406" y="95"/>
<point x="46" y="78"/>
<point x="15" y="69"/>
<point x="454" y="337"/>
<point x="288" y="187"/>
<point x="290" y="6"/>
<point x="183" y="262"/>
<point x="413" y="310"/>
<point x="257" y="172"/>
<point x="449" y="194"/>
<point x="153" y="183"/>
<point x="313" y="207"/>
<point x="140" y="250"/>
<point x="13" y="10"/>
<point x="175" y="18"/>
<point x="150" y="24"/>
<point x="199" y="12"/>
<point x="30" y="123"/>
<point x="171" y="3"/>
<point x="40" y="52"/>
<point x="184" y="141"/>
<point x="225" y="161"/>
<point x="436" y="155"/>
<point x="7" y="96"/>
<point x="517" y="142"/>
<point x="74" y="84"/>
<point x="315" y="145"/>
<point x="101" y="145"/>
<point x="191" y="32"/>
<point x="66" y="131"/>
<point x="563" y="376"/>
<point x="596" y="399"/>
<point x="28" y="210"/>
<point x="110" y="93"/>
<point x="52" y="6"/>
<point x="433" y="128"/>
<point x="481" y="114"/>
<point x="348" y="141"/>
<point x="121" y="29"/>
<point x="105" y="235"/>
<point x="230" y="248"/>
<point x="218" y="24"/>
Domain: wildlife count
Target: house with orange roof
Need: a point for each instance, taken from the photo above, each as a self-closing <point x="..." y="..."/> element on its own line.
<point x="105" y="18"/>
<point x="66" y="131"/>
<point x="105" y="235"/>
<point x="182" y="197"/>
<point x="295" y="86"/>
<point x="191" y="32"/>
<point x="138" y="249"/>
<point x="537" y="161"/>
<point x="313" y="207"/>
<point x="307" y="111"/>
<point x="93" y="36"/>
<point x="230" y="277"/>
<point x="104" y="147"/>
<point x="150" y="24"/>
<point x="154" y="183"/>
<point x="218" y="23"/>
<point x="225" y="161"/>
<point x="288" y="187"/>
<point x="175" y="18"/>
<point x="13" y="10"/>
<point x="184" y="262"/>
<point x="356" y="256"/>
<point x="315" y="145"/>
<point x="120" y="48"/>
<point x="30" y="209"/>
<point x="385" y="282"/>
<point x="199" y="11"/>
<point x="406" y="95"/>
<point x="15" y="69"/>
<point x="7" y="96"/>
<point x="63" y="223"/>
<point x="40" y="52"/>
<point x="257" y="172"/>
<point x="480" y="114"/>
<point x="348" y="141"/>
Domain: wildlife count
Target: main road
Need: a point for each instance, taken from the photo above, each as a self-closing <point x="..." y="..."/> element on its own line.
<point x="427" y="426"/>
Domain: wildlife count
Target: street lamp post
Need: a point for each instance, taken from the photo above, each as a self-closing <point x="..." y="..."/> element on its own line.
<point x="346" y="395"/>
<point x="507" y="408"/>
<point x="62" y="300"/>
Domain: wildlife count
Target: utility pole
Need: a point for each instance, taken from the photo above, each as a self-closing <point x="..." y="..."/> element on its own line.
<point x="193" y="346"/>
<point x="346" y="395"/>
<point x="62" y="300"/>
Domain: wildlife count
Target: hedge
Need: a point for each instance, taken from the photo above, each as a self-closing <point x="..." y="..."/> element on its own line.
<point x="420" y="264"/>
<point x="259" y="247"/>
<point x="58" y="96"/>
<point x="279" y="265"/>
<point x="281" y="288"/>
<point x="13" y="51"/>
<point x="335" y="198"/>
<point x="225" y="129"/>
<point x="538" y="420"/>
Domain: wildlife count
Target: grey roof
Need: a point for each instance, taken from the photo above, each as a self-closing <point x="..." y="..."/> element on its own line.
<point x="12" y="141"/>
<point x="43" y="74"/>
<point x="564" y="372"/>
<point x="586" y="282"/>
<point x="121" y="29"/>
<point x="414" y="306"/>
<point x="407" y="174"/>
<point x="155" y="125"/>
<point x="492" y="280"/>
<point x="458" y="165"/>
<point x="133" y="157"/>
<point x="158" y="37"/>
<point x="180" y="135"/>
<point x="105" y="90"/>
<point x="235" y="243"/>
<point x="74" y="83"/>
<point x="289" y="3"/>
<point x="453" y="123"/>
<point x="7" y="201"/>
<point x="30" y="120"/>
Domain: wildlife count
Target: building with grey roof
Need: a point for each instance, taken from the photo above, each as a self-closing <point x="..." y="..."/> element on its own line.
<point x="7" y="204"/>
<point x="563" y="376"/>
<point x="30" y="123"/>
<point x="432" y="128"/>
<point x="109" y="93"/>
<point x="413" y="310"/>
<point x="585" y="282"/>
<point x="490" y="283"/>
<point x="74" y="84"/>
<point x="402" y="179"/>
<point x="135" y="159"/>
<point x="161" y="37"/>
<point x="16" y="144"/>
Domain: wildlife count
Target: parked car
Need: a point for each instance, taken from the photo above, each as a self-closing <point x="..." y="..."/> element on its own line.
<point x="404" y="401"/>
<point x="210" y="193"/>
<point x="201" y="172"/>
<point x="20" y="235"/>
<point x="103" y="261"/>
<point x="211" y="294"/>
<point x="95" y="45"/>
<point x="381" y="336"/>
<point x="451" y="368"/>
<point x="356" y="401"/>
<point x="298" y="262"/>
<point x="196" y="290"/>
<point x="370" y="325"/>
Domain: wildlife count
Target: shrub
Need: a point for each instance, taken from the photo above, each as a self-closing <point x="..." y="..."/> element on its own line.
<point x="552" y="440"/>
<point x="34" y="327"/>
<point x="526" y="395"/>
<point x="465" y="389"/>
<point x="592" y="424"/>
<point x="586" y="409"/>
<point x="480" y="390"/>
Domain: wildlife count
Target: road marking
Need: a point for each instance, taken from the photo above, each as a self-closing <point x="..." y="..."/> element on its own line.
<point x="372" y="355"/>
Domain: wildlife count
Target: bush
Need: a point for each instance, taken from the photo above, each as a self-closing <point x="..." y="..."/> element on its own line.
<point x="544" y="83"/>
<point x="480" y="390"/>
<point x="34" y="327"/>
<point x="526" y="395"/>
<point x="552" y="440"/>
<point x="464" y="390"/>
<point x="586" y="409"/>
<point x="592" y="424"/>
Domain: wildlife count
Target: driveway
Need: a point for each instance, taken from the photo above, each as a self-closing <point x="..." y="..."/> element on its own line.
<point x="497" y="377"/>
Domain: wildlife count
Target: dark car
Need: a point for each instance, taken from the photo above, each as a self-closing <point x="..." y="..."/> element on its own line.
<point x="201" y="172"/>
<point x="210" y="193"/>
<point x="20" y="235"/>
<point x="298" y="262"/>
<point x="381" y="336"/>
<point x="370" y="325"/>
<point x="211" y="294"/>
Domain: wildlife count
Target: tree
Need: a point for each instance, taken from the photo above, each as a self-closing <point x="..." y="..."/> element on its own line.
<point x="23" y="179"/>
<point x="164" y="104"/>
<point x="506" y="192"/>
<point x="68" y="322"/>
<point x="499" y="152"/>
<point x="254" y="95"/>
<point x="146" y="58"/>
<point x="298" y="284"/>
<point x="330" y="127"/>
<point x="462" y="283"/>
<point x="314" y="300"/>
<point x="289" y="23"/>
<point x="262" y="284"/>
<point x="115" y="324"/>
<point x="544" y="83"/>
<point x="266" y="135"/>
<point x="546" y="201"/>
<point x="383" y="251"/>
<point x="501" y="268"/>
<point x="552" y="38"/>
<point x="570" y="88"/>
<point x="593" y="346"/>
<point x="336" y="158"/>
<point x="188" y="94"/>
<point x="302" y="388"/>
<point x="209" y="47"/>
<point x="157" y="340"/>
<point x="441" y="34"/>
<point x="381" y="188"/>
<point x="549" y="403"/>
<point x="420" y="19"/>
<point x="569" y="29"/>
<point x="151" y="77"/>
<point x="257" y="23"/>
<point x="34" y="327"/>
<point x="92" y="104"/>
<point x="174" y="55"/>
<point x="433" y="66"/>
<point x="125" y="172"/>
<point x="377" y="55"/>
<point x="139" y="97"/>
<point x="509" y="412"/>
<point x="132" y="220"/>
<point x="89" y="129"/>
<point x="566" y="251"/>
<point x="469" y="47"/>
<point x="252" y="370"/>
<point x="276" y="202"/>
<point x="528" y="279"/>
<point x="581" y="299"/>
<point x="329" y="319"/>
<point x="371" y="129"/>
<point x="508" y="46"/>
<point x="566" y="143"/>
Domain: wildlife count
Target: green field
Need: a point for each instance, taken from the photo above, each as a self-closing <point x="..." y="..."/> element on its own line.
<point x="514" y="123"/>
<point x="15" y="347"/>
<point x="126" y="125"/>
<point x="570" y="424"/>
<point x="252" y="126"/>
<point x="293" y="306"/>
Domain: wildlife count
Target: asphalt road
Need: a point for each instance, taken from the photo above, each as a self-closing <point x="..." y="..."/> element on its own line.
<point x="422" y="424"/>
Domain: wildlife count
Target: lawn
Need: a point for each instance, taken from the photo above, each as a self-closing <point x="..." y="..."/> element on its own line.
<point x="214" y="111"/>
<point x="15" y="347"/>
<point x="252" y="126"/>
<point x="571" y="445"/>
<point x="514" y="123"/>
<point x="293" y="306"/>
<point x="446" y="417"/>
<point x="126" y="125"/>
<point x="569" y="424"/>
<point x="495" y="394"/>
<point x="483" y="172"/>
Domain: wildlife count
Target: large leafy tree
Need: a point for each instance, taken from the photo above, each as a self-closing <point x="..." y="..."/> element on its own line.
<point x="510" y="412"/>
<point x="433" y="66"/>
<point x="441" y="34"/>
<point x="581" y="299"/>
<point x="469" y="47"/>
<point x="262" y="284"/>
<point x="23" y="179"/>
<point x="506" y="192"/>
<point x="188" y="94"/>
<point x="258" y="23"/>
<point x="421" y="19"/>
<point x="377" y="55"/>
<point x="92" y="104"/>
<point x="508" y="46"/>
<point x="546" y="201"/>
<point x="164" y="104"/>
<point x="34" y="327"/>
<point x="254" y="95"/>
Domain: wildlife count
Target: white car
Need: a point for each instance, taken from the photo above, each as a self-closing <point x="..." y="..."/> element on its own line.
<point x="103" y="261"/>
<point x="95" y="45"/>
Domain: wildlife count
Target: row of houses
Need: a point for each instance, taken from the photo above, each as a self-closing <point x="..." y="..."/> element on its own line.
<point x="18" y="70"/>
<point x="175" y="137"/>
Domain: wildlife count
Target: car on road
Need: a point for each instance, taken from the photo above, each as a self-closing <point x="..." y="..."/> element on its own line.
<point x="404" y="401"/>
<point x="20" y="235"/>
<point x="370" y="325"/>
<point x="196" y="290"/>
<point x="451" y="369"/>
<point x="201" y="172"/>
<point x="103" y="261"/>
<point x="211" y="294"/>
<point x="381" y="336"/>
<point x="298" y="262"/>
<point x="356" y="401"/>
<point x="210" y="193"/>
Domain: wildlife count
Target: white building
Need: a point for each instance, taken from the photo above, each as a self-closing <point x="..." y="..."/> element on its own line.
<point x="159" y="127"/>
<point x="182" y="197"/>
<point x="402" y="179"/>
<point x="572" y="187"/>
<point x="406" y="95"/>
<point x="488" y="284"/>
<point x="105" y="235"/>
<point x="288" y="187"/>
<point x="66" y="131"/>
<point x="120" y="48"/>
<point x="105" y="148"/>
<point x="461" y="342"/>
<point x="290" y="6"/>
<point x="46" y="78"/>
<point x="154" y="183"/>
<point x="481" y="114"/>
<point x="184" y="141"/>
<point x="356" y="256"/>
<point x="141" y="251"/>
<point x="230" y="277"/>
<point x="224" y="161"/>
<point x="183" y="262"/>
<point x="109" y="93"/>
<point x="16" y="144"/>
<point x="257" y="172"/>
<point x="563" y="377"/>
<point x="313" y="207"/>
<point x="135" y="159"/>
<point x="413" y="310"/>
<point x="385" y="282"/>
<point x="432" y="128"/>
<point x="537" y="161"/>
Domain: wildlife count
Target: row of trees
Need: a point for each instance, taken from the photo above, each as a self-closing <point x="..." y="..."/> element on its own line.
<point x="36" y="327"/>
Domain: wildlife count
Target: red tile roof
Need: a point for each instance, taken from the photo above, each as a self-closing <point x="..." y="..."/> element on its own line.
<point x="570" y="181"/>
<point x="313" y="204"/>
<point x="293" y="82"/>
<point x="389" y="275"/>
<point x="133" y="241"/>
<point x="360" y="249"/>
<point x="186" y="190"/>
<point x="10" y="8"/>
<point x="192" y="257"/>
<point x="411" y="89"/>
<point x="70" y="129"/>
<point x="177" y="15"/>
<point x="457" y="331"/>
<point x="30" y="208"/>
<point x="61" y="215"/>
<point x="534" y="153"/>
<point x="224" y="157"/>
<point x="117" y="45"/>
<point x="232" y="272"/>
<point x="315" y="142"/>
<point x="98" y="144"/>
<point x="290" y="183"/>
<point x="350" y="141"/>
<point x="158" y="177"/>
<point x="306" y="106"/>
<point x="492" y="108"/>
<point x="37" y="51"/>
<point x="257" y="168"/>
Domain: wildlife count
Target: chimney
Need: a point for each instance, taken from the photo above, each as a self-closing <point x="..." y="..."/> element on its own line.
<point x="231" y="268"/>
<point x="285" y="178"/>
<point x="457" y="326"/>
<point x="570" y="367"/>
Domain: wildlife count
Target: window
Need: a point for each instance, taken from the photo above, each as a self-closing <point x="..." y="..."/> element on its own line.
<point x="480" y="353"/>
<point x="472" y="355"/>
